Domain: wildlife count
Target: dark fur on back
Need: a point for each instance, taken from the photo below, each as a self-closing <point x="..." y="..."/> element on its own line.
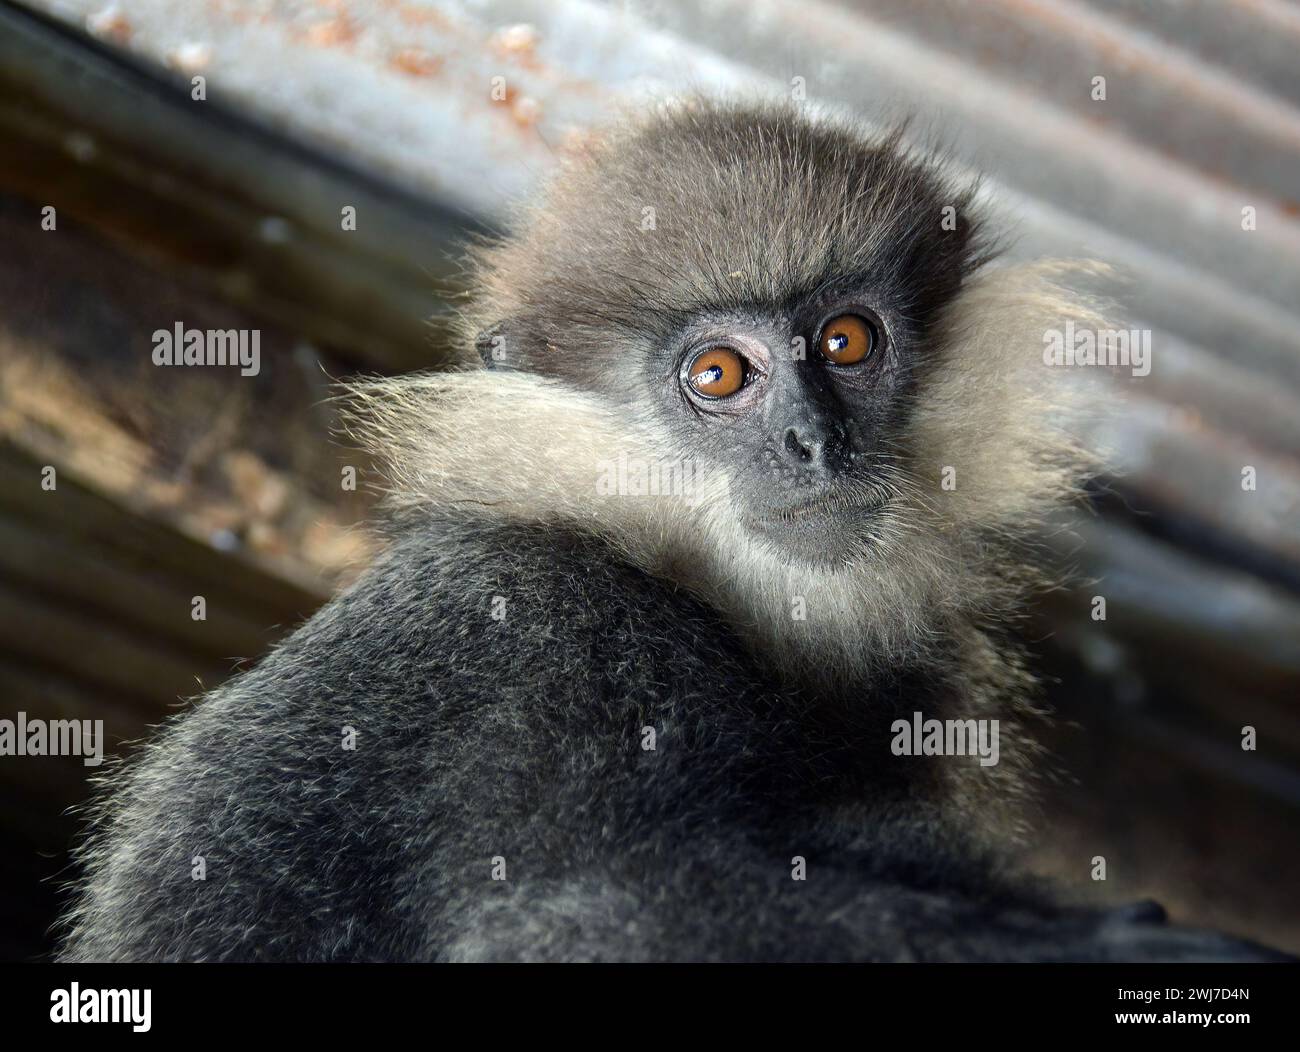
<point x="521" y="739"/>
<point x="479" y="738"/>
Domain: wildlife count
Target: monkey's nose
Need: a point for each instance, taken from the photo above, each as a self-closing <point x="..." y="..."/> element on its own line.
<point x="813" y="447"/>
<point x="794" y="445"/>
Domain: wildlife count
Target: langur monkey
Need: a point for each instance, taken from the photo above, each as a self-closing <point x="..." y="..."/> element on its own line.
<point x="737" y="488"/>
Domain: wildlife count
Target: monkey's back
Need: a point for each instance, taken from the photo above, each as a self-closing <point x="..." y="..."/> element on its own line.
<point x="481" y="694"/>
<point x="595" y="773"/>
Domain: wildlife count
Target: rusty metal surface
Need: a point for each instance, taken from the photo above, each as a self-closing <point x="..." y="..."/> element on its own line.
<point x="1153" y="178"/>
<point x="406" y="86"/>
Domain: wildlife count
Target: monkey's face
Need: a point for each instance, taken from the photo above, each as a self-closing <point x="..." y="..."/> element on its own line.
<point x="762" y="290"/>
<point x="802" y="409"/>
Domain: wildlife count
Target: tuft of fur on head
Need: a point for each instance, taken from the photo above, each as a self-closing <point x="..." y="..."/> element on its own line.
<point x="934" y="567"/>
<point x="704" y="205"/>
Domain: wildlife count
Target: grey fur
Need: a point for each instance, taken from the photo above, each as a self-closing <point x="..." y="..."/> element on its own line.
<point x="522" y="738"/>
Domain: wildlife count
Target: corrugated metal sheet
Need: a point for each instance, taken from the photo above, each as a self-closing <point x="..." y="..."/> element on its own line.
<point x="1200" y="119"/>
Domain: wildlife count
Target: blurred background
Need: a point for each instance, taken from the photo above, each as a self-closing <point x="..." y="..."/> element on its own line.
<point x="217" y="202"/>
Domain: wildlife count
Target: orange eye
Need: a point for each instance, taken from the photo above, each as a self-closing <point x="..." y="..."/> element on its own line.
<point x="847" y="339"/>
<point x="717" y="372"/>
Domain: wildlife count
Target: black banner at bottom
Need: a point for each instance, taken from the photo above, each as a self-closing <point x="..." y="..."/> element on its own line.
<point x="336" y="1001"/>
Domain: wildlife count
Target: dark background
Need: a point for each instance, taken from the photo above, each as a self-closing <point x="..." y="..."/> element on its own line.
<point x="224" y="213"/>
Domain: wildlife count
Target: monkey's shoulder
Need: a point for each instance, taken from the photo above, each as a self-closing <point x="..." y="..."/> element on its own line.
<point x="532" y="601"/>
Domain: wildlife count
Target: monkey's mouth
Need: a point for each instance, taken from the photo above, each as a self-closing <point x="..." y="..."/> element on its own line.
<point x="825" y="531"/>
<point x="828" y="532"/>
<point x="825" y="508"/>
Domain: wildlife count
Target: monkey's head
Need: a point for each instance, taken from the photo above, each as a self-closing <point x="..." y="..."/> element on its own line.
<point x="799" y="313"/>
<point x="760" y="289"/>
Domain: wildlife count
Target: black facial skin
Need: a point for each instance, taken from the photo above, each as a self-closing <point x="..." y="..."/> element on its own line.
<point x="806" y="443"/>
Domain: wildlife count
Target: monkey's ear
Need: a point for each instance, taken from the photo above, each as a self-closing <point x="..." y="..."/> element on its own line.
<point x="494" y="346"/>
